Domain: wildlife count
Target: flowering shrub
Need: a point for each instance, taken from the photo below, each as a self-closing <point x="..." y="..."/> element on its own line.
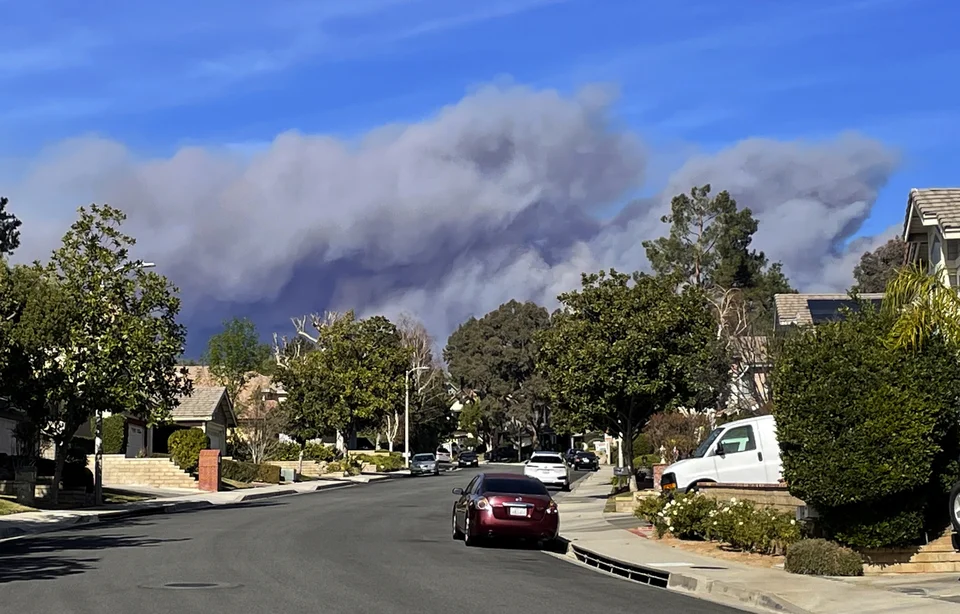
<point x="741" y="524"/>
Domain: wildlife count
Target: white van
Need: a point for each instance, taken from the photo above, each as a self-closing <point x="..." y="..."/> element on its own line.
<point x="741" y="452"/>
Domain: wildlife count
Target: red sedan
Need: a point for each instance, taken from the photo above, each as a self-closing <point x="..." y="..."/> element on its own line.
<point x="504" y="505"/>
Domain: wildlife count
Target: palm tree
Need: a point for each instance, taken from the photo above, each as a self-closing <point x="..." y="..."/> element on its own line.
<point x="923" y="305"/>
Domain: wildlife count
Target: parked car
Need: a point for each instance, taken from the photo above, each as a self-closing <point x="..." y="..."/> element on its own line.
<point x="585" y="461"/>
<point x="468" y="459"/>
<point x="504" y="454"/>
<point x="744" y="452"/>
<point x="443" y="455"/>
<point x="569" y="455"/>
<point x="423" y="464"/>
<point x="504" y="505"/>
<point x="549" y="468"/>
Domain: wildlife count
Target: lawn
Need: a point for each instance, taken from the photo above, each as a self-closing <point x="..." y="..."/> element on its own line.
<point x="9" y="507"/>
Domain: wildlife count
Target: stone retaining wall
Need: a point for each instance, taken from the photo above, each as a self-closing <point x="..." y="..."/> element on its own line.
<point x="936" y="557"/>
<point x="311" y="468"/>
<point x="71" y="498"/>
<point x="770" y="495"/>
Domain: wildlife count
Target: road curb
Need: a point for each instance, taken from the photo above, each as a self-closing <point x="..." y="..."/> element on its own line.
<point x="718" y="590"/>
<point x="16" y="533"/>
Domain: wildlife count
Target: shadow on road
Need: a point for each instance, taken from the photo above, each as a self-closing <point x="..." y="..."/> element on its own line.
<point x="557" y="547"/>
<point x="51" y="556"/>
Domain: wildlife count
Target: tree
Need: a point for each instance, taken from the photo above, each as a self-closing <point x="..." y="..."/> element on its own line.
<point x="427" y="385"/>
<point x="924" y="308"/>
<point x="624" y="347"/>
<point x="261" y="423"/>
<point x="119" y="343"/>
<point x="9" y="229"/>
<point x="349" y="381"/>
<point x="708" y="246"/>
<point x="877" y="268"/>
<point x="868" y="430"/>
<point x="235" y="353"/>
<point x="493" y="359"/>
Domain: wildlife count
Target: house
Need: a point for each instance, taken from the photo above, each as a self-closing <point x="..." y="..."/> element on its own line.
<point x="931" y="229"/>
<point x="207" y="408"/>
<point x="807" y="309"/>
<point x="750" y="374"/>
<point x="9" y="418"/>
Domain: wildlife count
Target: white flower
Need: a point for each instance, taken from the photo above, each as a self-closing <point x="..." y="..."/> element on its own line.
<point x="733" y="500"/>
<point x="793" y="522"/>
<point x="740" y="523"/>
<point x="714" y="523"/>
<point x="671" y="529"/>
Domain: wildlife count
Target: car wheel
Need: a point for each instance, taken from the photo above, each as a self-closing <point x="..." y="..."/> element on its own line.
<point x="436" y="472"/>
<point x="468" y="538"/>
<point x="955" y="507"/>
<point x="565" y="488"/>
<point x="457" y="533"/>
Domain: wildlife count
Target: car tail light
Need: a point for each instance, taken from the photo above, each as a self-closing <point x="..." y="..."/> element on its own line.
<point x="483" y="503"/>
<point x="552" y="508"/>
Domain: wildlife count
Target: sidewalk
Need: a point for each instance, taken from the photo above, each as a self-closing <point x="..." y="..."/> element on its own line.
<point x="583" y="524"/>
<point x="32" y="523"/>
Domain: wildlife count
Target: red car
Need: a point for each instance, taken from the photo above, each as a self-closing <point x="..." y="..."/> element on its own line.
<point x="504" y="505"/>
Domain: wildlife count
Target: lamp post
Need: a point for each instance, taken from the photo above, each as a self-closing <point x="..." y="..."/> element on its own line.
<point x="98" y="435"/>
<point x="406" y="414"/>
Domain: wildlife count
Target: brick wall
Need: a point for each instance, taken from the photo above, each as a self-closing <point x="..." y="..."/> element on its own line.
<point x="771" y="495"/>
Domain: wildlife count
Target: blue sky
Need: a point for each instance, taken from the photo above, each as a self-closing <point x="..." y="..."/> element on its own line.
<point x="697" y="75"/>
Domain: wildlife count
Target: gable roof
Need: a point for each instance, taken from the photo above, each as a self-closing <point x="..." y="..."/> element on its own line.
<point x="202" y="405"/>
<point x="939" y="204"/>
<point x="795" y="308"/>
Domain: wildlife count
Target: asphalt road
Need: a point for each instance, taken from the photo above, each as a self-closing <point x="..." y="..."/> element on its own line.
<point x="377" y="549"/>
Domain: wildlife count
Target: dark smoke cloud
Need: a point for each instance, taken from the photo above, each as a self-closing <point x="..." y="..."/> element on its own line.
<point x="496" y="197"/>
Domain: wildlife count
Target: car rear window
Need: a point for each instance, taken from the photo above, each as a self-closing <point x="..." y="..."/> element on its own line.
<point x="546" y="459"/>
<point x="423" y="457"/>
<point x="589" y="455"/>
<point x="514" y="486"/>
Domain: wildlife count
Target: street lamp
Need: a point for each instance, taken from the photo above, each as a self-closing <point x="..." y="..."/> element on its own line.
<point x="98" y="435"/>
<point x="406" y="413"/>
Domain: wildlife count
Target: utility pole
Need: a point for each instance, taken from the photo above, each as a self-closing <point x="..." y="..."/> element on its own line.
<point x="98" y="436"/>
<point x="406" y="414"/>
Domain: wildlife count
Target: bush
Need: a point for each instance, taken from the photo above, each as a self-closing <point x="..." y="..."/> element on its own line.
<point x="319" y="452"/>
<point x="185" y="445"/>
<point x="114" y="434"/>
<point x="868" y="434"/>
<point x="286" y="451"/>
<point x="249" y="472"/>
<point x="383" y="462"/>
<point x="741" y="524"/>
<point x="818" y="557"/>
<point x="675" y="430"/>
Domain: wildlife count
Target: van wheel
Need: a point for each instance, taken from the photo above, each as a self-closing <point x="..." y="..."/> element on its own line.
<point x="955" y="507"/>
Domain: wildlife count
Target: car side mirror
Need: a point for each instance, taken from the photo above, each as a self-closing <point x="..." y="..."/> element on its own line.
<point x="525" y="462"/>
<point x="720" y="450"/>
<point x="458" y="491"/>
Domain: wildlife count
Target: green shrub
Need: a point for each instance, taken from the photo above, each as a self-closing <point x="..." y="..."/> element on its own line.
<point x="868" y="434"/>
<point x="114" y="434"/>
<point x="286" y="451"/>
<point x="319" y="452"/>
<point x="741" y="524"/>
<point x="185" y="445"/>
<point x="249" y="472"/>
<point x="818" y="557"/>
<point x="745" y="526"/>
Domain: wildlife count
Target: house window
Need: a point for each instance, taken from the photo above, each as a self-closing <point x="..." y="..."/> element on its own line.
<point x="953" y="249"/>
<point x="935" y="252"/>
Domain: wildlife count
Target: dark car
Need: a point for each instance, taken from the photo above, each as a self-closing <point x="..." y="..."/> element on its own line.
<point x="586" y="461"/>
<point x="468" y="459"/>
<point x="505" y="454"/>
<point x="504" y="505"/>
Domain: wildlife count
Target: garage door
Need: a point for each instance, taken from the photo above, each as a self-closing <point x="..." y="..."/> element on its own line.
<point x="136" y="440"/>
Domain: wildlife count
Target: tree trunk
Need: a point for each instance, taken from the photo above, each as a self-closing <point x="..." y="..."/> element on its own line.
<point x="376" y="443"/>
<point x="59" y="456"/>
<point x="628" y="436"/>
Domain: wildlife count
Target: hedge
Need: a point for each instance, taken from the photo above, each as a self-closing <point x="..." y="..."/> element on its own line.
<point x="114" y="434"/>
<point x="249" y="472"/>
<point x="383" y="462"/>
<point x="290" y="451"/>
<point x="868" y="433"/>
<point x="185" y="446"/>
<point x="818" y="557"/>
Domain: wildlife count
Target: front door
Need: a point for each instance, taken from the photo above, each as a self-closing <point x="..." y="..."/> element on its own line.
<point x="136" y="440"/>
<point x="740" y="462"/>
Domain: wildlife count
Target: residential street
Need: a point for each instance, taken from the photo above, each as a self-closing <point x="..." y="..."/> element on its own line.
<point x="380" y="548"/>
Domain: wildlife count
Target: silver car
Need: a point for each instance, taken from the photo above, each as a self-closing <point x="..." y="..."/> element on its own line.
<point x="423" y="464"/>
